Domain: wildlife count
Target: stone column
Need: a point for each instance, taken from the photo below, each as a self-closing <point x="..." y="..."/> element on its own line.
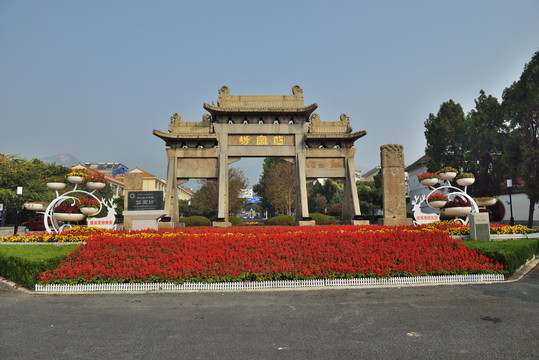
<point x="222" y="208"/>
<point x="132" y="182"/>
<point x="393" y="184"/>
<point x="302" y="206"/>
<point x="351" y="209"/>
<point x="171" y="196"/>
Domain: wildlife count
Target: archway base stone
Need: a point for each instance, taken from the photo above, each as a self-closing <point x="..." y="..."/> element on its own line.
<point x="304" y="223"/>
<point x="221" y="224"/>
<point x="396" y="222"/>
<point x="356" y="222"/>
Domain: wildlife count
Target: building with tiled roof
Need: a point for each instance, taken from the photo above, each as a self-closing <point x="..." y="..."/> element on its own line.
<point x="149" y="181"/>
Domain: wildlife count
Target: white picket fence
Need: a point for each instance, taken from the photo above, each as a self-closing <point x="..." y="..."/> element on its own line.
<point x="282" y="284"/>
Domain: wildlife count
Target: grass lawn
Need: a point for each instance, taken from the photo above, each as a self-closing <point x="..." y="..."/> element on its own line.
<point x="23" y="263"/>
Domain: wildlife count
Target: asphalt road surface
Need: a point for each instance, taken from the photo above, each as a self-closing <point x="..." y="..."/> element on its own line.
<point x="494" y="321"/>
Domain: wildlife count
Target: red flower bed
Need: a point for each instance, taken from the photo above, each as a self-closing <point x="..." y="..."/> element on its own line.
<point x="208" y="255"/>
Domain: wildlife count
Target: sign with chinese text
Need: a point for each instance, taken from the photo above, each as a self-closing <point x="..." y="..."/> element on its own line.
<point x="253" y="200"/>
<point x="103" y="222"/>
<point x="145" y="200"/>
<point x="261" y="140"/>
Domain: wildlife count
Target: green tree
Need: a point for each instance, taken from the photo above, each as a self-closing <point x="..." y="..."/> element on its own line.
<point x="260" y="189"/>
<point x="487" y="133"/>
<point x="445" y="133"/>
<point x="318" y="203"/>
<point x="281" y="186"/>
<point x="31" y="175"/>
<point x="521" y="107"/>
<point x="370" y="195"/>
<point x="512" y="158"/>
<point x="205" y="200"/>
<point x="328" y="191"/>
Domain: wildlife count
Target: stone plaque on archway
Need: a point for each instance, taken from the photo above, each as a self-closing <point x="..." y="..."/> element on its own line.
<point x="261" y="126"/>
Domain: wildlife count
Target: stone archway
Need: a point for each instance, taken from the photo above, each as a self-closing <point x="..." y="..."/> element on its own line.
<point x="261" y="126"/>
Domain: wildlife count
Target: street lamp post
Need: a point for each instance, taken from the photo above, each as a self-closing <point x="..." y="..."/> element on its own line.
<point x="19" y="194"/>
<point x="509" y="186"/>
<point x="189" y="208"/>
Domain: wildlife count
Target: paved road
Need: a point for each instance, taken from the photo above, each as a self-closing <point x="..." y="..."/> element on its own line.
<point x="496" y="321"/>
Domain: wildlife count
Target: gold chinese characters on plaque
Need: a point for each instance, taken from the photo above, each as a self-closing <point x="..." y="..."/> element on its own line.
<point x="261" y="140"/>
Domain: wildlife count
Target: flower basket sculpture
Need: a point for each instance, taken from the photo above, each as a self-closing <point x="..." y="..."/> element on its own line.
<point x="68" y="213"/>
<point x="465" y="179"/>
<point x="438" y="200"/>
<point x="457" y="207"/>
<point x="456" y="203"/>
<point x="34" y="206"/>
<point x="76" y="204"/>
<point x="56" y="183"/>
<point x="428" y="179"/>
<point x="448" y="173"/>
<point x="95" y="181"/>
<point x="75" y="177"/>
<point x="89" y="206"/>
<point x="486" y="201"/>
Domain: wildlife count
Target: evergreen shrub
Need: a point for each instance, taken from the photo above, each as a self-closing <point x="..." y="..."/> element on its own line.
<point x="323" y="219"/>
<point x="196" y="221"/>
<point x="280" y="220"/>
<point x="234" y="220"/>
<point x="511" y="253"/>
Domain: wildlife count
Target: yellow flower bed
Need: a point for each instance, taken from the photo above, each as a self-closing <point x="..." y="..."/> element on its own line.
<point x="517" y="229"/>
<point x="45" y="238"/>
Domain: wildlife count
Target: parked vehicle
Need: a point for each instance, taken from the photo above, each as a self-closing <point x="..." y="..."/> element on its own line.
<point x="37" y="223"/>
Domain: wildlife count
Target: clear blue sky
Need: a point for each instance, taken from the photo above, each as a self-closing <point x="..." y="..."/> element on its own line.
<point x="94" y="78"/>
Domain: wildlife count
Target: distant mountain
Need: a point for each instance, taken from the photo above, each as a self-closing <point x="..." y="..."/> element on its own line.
<point x="61" y="159"/>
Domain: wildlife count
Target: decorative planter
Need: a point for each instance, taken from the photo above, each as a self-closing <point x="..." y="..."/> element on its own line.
<point x="456" y="211"/>
<point x="429" y="182"/>
<point x="96" y="185"/>
<point x="34" y="206"/>
<point x="486" y="202"/>
<point x="465" y="181"/>
<point x="437" y="204"/>
<point x="56" y="185"/>
<point x="75" y="179"/>
<point x="89" y="210"/>
<point x="448" y="175"/>
<point x="69" y="216"/>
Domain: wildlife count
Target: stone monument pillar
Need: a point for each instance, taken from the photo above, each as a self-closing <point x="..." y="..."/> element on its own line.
<point x="142" y="208"/>
<point x="132" y="182"/>
<point x="480" y="226"/>
<point x="393" y="185"/>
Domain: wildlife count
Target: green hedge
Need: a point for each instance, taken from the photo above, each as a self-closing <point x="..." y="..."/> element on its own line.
<point x="23" y="263"/>
<point x="196" y="221"/>
<point x="235" y="220"/>
<point x="512" y="253"/>
<point x="321" y="218"/>
<point x="280" y="220"/>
